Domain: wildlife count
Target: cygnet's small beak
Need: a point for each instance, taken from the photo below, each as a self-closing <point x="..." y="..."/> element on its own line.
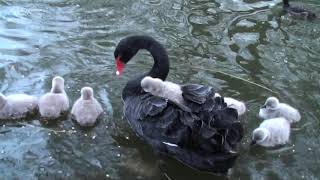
<point x="264" y="106"/>
<point x="253" y="142"/>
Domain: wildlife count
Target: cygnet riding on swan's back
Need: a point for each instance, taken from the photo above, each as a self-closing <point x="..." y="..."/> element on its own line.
<point x="205" y="135"/>
<point x="164" y="89"/>
<point x="272" y="132"/>
<point x="235" y="104"/>
<point x="298" y="12"/>
<point x="56" y="102"/>
<point x="17" y="106"/>
<point x="86" y="109"/>
<point x="273" y="109"/>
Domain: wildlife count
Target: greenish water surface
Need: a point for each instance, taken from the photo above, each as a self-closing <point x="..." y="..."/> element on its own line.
<point x="76" y="39"/>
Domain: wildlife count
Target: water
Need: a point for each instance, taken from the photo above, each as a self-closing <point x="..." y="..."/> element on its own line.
<point x="76" y="38"/>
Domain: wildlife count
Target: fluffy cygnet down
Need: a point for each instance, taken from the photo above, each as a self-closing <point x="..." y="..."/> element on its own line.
<point x="165" y="89"/>
<point x="17" y="106"/>
<point x="273" y="108"/>
<point x="233" y="103"/>
<point x="86" y="109"/>
<point x="272" y="132"/>
<point x="56" y="102"/>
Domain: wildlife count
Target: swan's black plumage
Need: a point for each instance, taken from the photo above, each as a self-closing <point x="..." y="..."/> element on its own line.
<point x="203" y="134"/>
<point x="298" y="11"/>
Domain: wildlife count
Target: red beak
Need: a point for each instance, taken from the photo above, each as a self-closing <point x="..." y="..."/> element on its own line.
<point x="120" y="66"/>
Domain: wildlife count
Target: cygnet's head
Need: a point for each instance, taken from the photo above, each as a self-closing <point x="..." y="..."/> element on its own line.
<point x="57" y="85"/>
<point x="259" y="135"/>
<point x="271" y="103"/>
<point x="86" y="93"/>
<point x="152" y="85"/>
<point x="2" y="100"/>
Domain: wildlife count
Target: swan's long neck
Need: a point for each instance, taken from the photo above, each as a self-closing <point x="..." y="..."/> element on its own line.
<point x="160" y="68"/>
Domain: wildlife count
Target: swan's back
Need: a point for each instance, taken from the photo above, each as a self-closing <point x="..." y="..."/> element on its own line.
<point x="173" y="92"/>
<point x="238" y="105"/>
<point x="203" y="134"/>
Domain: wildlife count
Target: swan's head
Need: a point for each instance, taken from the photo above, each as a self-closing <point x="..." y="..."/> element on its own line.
<point x="86" y="93"/>
<point x="152" y="85"/>
<point x="2" y="100"/>
<point x="259" y="135"/>
<point x="271" y="103"/>
<point x="57" y="85"/>
<point x="128" y="47"/>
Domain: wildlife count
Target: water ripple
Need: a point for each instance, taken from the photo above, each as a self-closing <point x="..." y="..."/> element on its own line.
<point x="209" y="42"/>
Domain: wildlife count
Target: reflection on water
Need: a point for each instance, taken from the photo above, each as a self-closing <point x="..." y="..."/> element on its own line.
<point x="76" y="39"/>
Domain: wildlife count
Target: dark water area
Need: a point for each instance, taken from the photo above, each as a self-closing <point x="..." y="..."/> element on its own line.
<point x="208" y="42"/>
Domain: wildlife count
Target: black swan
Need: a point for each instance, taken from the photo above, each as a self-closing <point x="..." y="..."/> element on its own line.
<point x="298" y="12"/>
<point x="203" y="133"/>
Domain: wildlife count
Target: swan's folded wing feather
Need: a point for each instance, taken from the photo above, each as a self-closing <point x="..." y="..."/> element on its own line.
<point x="138" y="107"/>
<point x="219" y="162"/>
<point x="223" y="118"/>
<point x="154" y="105"/>
<point x="196" y="138"/>
<point x="196" y="93"/>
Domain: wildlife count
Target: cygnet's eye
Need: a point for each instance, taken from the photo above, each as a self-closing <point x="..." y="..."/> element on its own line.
<point x="271" y="105"/>
<point x="153" y="89"/>
<point x="259" y="137"/>
<point x="146" y="87"/>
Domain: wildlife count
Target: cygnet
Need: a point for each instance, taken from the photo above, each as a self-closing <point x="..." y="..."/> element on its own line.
<point x="86" y="109"/>
<point x="165" y="89"/>
<point x="273" y="109"/>
<point x="17" y="106"/>
<point x="271" y="132"/>
<point x="56" y="102"/>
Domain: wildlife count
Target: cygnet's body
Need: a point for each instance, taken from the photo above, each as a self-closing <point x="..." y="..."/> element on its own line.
<point x="273" y="109"/>
<point x="56" y="102"/>
<point x="165" y="89"/>
<point x="17" y="106"/>
<point x="272" y="132"/>
<point x="86" y="109"/>
<point x="235" y="104"/>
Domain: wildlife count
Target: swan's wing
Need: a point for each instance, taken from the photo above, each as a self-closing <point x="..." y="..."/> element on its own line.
<point x="204" y="140"/>
<point x="156" y="119"/>
<point x="196" y="93"/>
